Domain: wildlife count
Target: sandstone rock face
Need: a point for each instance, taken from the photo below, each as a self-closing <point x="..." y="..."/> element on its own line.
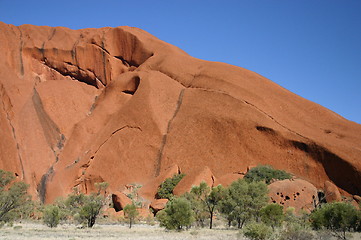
<point x="296" y="193"/>
<point x="332" y="194"/>
<point x="120" y="200"/>
<point x="158" y="204"/>
<point x="194" y="178"/>
<point x="119" y="105"/>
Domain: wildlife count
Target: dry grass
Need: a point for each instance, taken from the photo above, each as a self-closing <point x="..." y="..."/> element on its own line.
<point x="37" y="231"/>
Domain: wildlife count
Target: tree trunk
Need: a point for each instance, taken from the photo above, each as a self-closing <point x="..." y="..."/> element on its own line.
<point x="211" y="221"/>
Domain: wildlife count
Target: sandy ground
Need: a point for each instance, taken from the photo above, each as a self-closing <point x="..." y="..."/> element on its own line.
<point x="37" y="231"/>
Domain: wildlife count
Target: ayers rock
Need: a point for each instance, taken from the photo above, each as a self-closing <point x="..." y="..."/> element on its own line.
<point x="121" y="106"/>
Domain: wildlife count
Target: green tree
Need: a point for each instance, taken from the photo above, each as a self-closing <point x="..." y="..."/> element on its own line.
<point x="199" y="209"/>
<point x="14" y="199"/>
<point x="244" y="200"/>
<point x="130" y="212"/>
<point x="51" y="215"/>
<point x="210" y="198"/>
<point x="177" y="214"/>
<point x="90" y="210"/>
<point x="84" y="208"/>
<point x="266" y="173"/>
<point x="272" y="215"/>
<point x="338" y="217"/>
<point x="257" y="231"/>
<point x="166" y="188"/>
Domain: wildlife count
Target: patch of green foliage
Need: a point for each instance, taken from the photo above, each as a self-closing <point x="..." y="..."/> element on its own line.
<point x="272" y="215"/>
<point x="51" y="215"/>
<point x="82" y="208"/>
<point x="15" y="202"/>
<point x="257" y="231"/>
<point x="266" y="173"/>
<point x="338" y="217"/>
<point x="177" y="215"/>
<point x="205" y="201"/>
<point x="243" y="201"/>
<point x="166" y="188"/>
<point x="130" y="213"/>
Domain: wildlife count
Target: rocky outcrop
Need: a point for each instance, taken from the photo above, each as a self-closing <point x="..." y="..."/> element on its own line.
<point x="120" y="200"/>
<point x="296" y="193"/>
<point x="332" y="194"/>
<point x="194" y="178"/>
<point x="158" y="204"/>
<point x="121" y="106"/>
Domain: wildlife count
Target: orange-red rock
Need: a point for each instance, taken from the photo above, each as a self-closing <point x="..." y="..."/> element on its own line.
<point x="144" y="213"/>
<point x="227" y="179"/>
<point x="357" y="198"/>
<point x="119" y="105"/>
<point x="120" y="200"/>
<point x="194" y="178"/>
<point x="332" y="194"/>
<point x="296" y="193"/>
<point x="158" y="204"/>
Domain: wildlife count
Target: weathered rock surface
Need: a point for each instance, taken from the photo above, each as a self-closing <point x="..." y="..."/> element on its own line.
<point x="194" y="177"/>
<point x="158" y="204"/>
<point x="332" y="194"/>
<point x="120" y="200"/>
<point x="119" y="105"/>
<point x="296" y="193"/>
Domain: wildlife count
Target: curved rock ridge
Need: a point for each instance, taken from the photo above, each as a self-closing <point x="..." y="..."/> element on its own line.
<point x="119" y="105"/>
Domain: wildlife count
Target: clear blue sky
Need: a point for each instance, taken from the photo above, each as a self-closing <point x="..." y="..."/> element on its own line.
<point x="311" y="47"/>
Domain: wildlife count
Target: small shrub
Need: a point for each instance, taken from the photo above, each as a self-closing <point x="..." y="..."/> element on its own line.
<point x="15" y="202"/>
<point x="272" y="215"/>
<point x="338" y="217"/>
<point x="257" y="231"/>
<point x="51" y="215"/>
<point x="166" y="188"/>
<point x="130" y="212"/>
<point x="295" y="231"/>
<point x="177" y="214"/>
<point x="266" y="173"/>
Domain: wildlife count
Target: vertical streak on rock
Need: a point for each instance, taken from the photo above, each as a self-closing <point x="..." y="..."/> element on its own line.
<point x="104" y="60"/>
<point x="158" y="162"/>
<point x="2" y="94"/>
<point x="42" y="185"/>
<point x="21" y="54"/>
<point x="73" y="51"/>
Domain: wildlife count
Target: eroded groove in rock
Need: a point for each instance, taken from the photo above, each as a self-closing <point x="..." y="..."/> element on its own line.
<point x="42" y="185"/>
<point x="112" y="134"/>
<point x="104" y="59"/>
<point x="126" y="63"/>
<point x="53" y="136"/>
<point x="21" y="53"/>
<point x="6" y="111"/>
<point x="158" y="161"/>
<point x="75" y="75"/>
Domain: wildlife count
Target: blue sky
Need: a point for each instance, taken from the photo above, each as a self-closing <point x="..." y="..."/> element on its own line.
<point x="311" y="47"/>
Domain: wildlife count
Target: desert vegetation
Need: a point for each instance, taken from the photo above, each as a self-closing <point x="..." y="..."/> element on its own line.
<point x="243" y="206"/>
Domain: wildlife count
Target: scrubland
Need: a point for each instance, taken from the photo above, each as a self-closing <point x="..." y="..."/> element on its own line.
<point x="37" y="231"/>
